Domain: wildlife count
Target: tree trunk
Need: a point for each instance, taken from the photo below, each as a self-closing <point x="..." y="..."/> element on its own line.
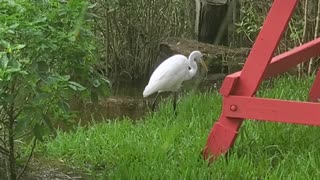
<point x="12" y="164"/>
<point x="211" y="21"/>
<point x="11" y="157"/>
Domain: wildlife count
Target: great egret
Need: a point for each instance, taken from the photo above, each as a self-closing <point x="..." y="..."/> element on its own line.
<point x="170" y="74"/>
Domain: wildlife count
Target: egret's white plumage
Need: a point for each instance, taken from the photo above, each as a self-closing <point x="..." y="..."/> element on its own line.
<point x="170" y="74"/>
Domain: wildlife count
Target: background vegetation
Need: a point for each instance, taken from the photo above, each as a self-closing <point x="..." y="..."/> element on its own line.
<point x="132" y="30"/>
<point x="303" y="27"/>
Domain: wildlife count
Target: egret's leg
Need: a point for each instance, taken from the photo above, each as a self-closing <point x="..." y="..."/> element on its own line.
<point x="175" y="97"/>
<point x="154" y="102"/>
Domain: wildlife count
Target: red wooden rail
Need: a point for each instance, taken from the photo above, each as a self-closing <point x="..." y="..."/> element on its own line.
<point x="272" y="110"/>
<point x="238" y="88"/>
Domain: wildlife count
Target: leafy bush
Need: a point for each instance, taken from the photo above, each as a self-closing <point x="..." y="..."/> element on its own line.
<point x="47" y="55"/>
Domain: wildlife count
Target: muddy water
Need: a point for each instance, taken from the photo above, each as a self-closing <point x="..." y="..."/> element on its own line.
<point x="129" y="88"/>
<point x="126" y="99"/>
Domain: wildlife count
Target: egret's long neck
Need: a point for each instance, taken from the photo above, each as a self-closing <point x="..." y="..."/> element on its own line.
<point x="193" y="66"/>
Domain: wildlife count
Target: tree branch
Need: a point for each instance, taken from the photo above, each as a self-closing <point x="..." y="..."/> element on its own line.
<point x="25" y="134"/>
<point x="29" y="158"/>
<point x="4" y="151"/>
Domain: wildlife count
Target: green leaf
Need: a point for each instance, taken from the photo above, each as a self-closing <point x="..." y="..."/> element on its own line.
<point x="40" y="19"/>
<point x="65" y="78"/>
<point x="37" y="131"/>
<point x="13" y="26"/>
<point x="23" y="72"/>
<point x="94" y="97"/>
<point x="5" y="44"/>
<point x="19" y="46"/>
<point x="93" y="15"/>
<point x="13" y="66"/>
<point x="42" y="66"/>
<point x="48" y="122"/>
<point x="76" y="86"/>
<point x="92" y="5"/>
<point x="64" y="105"/>
<point x="96" y="83"/>
<point x="10" y="31"/>
<point x="12" y="70"/>
<point x="4" y="61"/>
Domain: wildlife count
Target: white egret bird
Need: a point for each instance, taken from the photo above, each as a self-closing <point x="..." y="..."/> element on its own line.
<point x="170" y="74"/>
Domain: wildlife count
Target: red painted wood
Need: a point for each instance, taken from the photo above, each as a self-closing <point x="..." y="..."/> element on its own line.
<point x="272" y="110"/>
<point x="287" y="60"/>
<point x="314" y="94"/>
<point x="264" y="46"/>
<point x="283" y="62"/>
<point x="251" y="76"/>
<point x="222" y="136"/>
<point x="229" y="83"/>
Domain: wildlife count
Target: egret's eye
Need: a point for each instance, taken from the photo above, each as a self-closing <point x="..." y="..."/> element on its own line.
<point x="189" y="67"/>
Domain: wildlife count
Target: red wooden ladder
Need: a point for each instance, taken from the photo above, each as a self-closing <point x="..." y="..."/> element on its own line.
<point x="239" y="88"/>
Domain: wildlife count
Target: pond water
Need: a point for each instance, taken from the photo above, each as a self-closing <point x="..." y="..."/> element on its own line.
<point x="126" y="99"/>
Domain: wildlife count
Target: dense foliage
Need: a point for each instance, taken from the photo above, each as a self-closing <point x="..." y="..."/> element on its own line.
<point x="47" y="55"/>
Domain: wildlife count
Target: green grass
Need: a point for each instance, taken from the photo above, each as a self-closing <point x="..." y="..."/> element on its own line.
<point x="164" y="147"/>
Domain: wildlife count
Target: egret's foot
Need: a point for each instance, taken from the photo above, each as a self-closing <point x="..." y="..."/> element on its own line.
<point x="175" y="113"/>
<point x="154" y="103"/>
<point x="175" y="97"/>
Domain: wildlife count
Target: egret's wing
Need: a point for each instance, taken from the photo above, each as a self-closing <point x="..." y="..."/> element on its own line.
<point x="169" y="68"/>
<point x="168" y="75"/>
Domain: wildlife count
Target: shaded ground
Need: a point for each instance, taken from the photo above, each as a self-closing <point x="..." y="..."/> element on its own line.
<point x="45" y="169"/>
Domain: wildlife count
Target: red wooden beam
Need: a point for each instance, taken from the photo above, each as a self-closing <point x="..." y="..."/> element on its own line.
<point x="225" y="130"/>
<point x="229" y="83"/>
<point x="279" y="64"/>
<point x="284" y="111"/>
<point x="287" y="60"/>
<point x="221" y="138"/>
<point x="265" y="46"/>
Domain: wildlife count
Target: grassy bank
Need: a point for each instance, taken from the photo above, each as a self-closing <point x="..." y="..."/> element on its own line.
<point x="164" y="147"/>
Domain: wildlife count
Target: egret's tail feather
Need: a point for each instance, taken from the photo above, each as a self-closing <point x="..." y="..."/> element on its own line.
<point x="148" y="91"/>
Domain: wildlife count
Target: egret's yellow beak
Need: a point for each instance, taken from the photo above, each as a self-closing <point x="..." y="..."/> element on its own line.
<point x="204" y="65"/>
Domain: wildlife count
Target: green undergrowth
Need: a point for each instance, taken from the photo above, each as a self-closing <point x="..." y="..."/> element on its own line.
<point x="162" y="146"/>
